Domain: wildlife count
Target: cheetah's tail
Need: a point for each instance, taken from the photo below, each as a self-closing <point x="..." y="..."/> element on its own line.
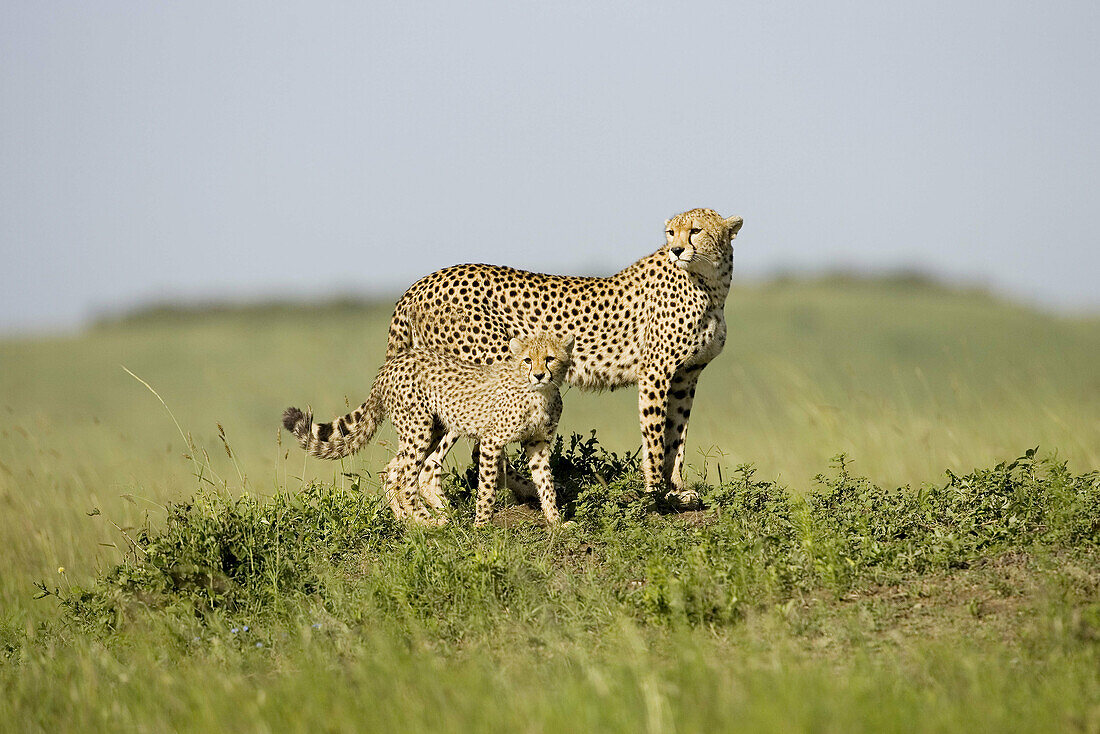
<point x="343" y="436"/>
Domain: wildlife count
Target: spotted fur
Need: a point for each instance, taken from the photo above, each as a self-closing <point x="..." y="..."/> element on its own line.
<point x="656" y="323"/>
<point x="433" y="399"/>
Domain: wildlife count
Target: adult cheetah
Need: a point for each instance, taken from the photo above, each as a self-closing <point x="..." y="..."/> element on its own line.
<point x="657" y="323"/>
<point x="434" y="399"/>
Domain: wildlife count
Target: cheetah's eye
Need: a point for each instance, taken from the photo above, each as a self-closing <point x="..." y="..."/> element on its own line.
<point x="550" y="359"/>
<point x="695" y="230"/>
<point x="527" y="360"/>
<point x="670" y="233"/>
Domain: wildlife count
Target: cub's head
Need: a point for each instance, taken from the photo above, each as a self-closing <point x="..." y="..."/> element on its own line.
<point x="541" y="359"/>
<point x="699" y="240"/>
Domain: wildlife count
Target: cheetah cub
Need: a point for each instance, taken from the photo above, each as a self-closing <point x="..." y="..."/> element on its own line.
<point x="433" y="399"/>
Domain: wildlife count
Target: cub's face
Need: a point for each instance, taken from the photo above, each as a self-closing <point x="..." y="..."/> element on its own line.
<point x="541" y="359"/>
<point x="699" y="240"/>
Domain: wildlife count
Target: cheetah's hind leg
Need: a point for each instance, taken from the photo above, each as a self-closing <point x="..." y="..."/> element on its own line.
<point x="390" y="478"/>
<point x="402" y="489"/>
<point x="430" y="479"/>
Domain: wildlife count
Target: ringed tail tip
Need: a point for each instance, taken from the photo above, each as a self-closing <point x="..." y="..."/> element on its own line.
<point x="291" y="418"/>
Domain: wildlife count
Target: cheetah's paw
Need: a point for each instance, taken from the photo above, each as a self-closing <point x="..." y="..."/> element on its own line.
<point x="685" y="499"/>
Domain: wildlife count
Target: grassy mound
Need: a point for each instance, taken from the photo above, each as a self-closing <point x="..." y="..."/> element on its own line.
<point x="756" y="544"/>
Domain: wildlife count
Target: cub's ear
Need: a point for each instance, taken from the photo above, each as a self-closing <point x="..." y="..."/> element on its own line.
<point x="567" y="345"/>
<point x="733" y="225"/>
<point x="515" y="346"/>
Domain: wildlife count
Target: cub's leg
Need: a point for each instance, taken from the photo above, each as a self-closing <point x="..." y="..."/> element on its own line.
<point x="538" y="457"/>
<point x="680" y="398"/>
<point x="392" y="490"/>
<point x="522" y="487"/>
<point x="415" y="435"/>
<point x="425" y="477"/>
<point x="431" y="480"/>
<point x="400" y="488"/>
<point x="489" y="469"/>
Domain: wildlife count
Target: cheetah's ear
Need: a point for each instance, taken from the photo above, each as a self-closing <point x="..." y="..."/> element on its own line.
<point x="567" y="345"/>
<point x="733" y="225"/>
<point x="515" y="346"/>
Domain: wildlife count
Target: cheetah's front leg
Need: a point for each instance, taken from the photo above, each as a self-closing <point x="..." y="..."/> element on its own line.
<point x="652" y="401"/>
<point x="538" y="457"/>
<point x="680" y="398"/>
<point x="489" y="470"/>
<point x="522" y="487"/>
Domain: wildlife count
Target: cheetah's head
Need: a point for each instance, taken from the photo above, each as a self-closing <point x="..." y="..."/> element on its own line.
<point x="542" y="359"/>
<point x="699" y="240"/>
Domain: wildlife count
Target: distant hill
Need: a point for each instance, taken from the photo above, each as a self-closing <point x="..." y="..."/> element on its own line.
<point x="346" y="303"/>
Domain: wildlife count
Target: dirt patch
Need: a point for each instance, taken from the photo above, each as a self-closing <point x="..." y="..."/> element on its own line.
<point x="693" y="518"/>
<point x="512" y="516"/>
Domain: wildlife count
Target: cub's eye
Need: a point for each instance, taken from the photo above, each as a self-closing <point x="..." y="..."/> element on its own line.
<point x="695" y="230"/>
<point x="670" y="233"/>
<point x="549" y="359"/>
<point x="527" y="360"/>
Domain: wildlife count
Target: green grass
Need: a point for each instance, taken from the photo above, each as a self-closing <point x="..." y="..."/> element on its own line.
<point x="278" y="593"/>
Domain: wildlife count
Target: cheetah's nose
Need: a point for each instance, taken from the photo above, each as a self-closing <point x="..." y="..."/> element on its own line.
<point x="677" y="251"/>
<point x="539" y="376"/>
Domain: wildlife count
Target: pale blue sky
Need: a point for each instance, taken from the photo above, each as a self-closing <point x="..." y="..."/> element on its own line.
<point x="152" y="150"/>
